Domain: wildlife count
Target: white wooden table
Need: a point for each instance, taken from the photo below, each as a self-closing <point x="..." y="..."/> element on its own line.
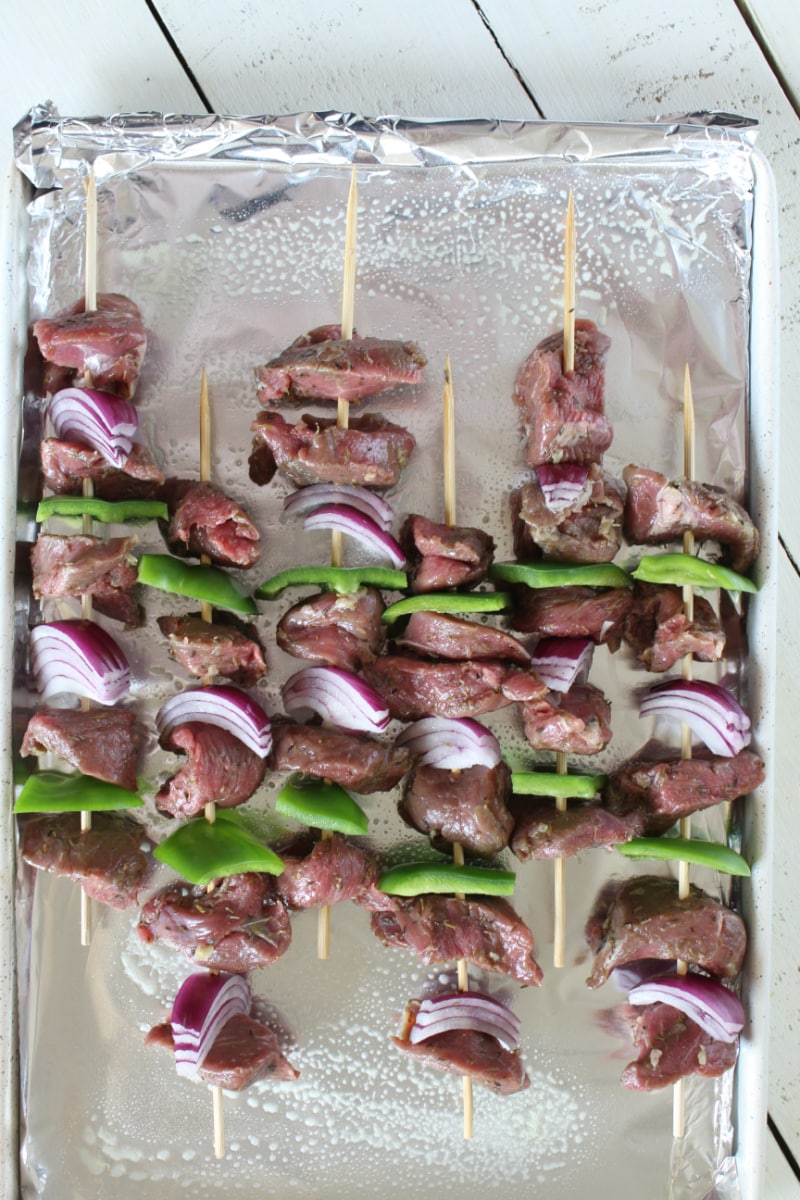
<point x="630" y="60"/>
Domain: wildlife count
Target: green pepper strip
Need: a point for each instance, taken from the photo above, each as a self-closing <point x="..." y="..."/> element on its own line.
<point x="417" y="879"/>
<point x="197" y="581"/>
<point x="52" y="791"/>
<point x="691" y="850"/>
<point x="200" y="851"/>
<point x="321" y="805"/>
<point x="448" y="602"/>
<point x="685" y="569"/>
<point x="554" y="574"/>
<point x="108" y="512"/>
<point x="547" y="783"/>
<point x="344" y="580"/>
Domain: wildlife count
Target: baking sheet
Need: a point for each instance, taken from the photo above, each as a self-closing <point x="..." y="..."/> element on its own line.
<point x="229" y="234"/>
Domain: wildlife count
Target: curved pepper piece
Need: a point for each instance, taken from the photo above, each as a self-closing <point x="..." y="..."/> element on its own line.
<point x="343" y="580"/>
<point x="686" y="570"/>
<point x="554" y="574"/>
<point x="320" y="805"/>
<point x="200" y="582"/>
<point x="107" y="512"/>
<point x="53" y="791"/>
<point x="448" y="602"/>
<point x="420" y="878"/>
<point x="200" y="851"/>
<point x="691" y="850"/>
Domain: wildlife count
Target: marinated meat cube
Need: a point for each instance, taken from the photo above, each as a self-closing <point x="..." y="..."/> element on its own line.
<point x="371" y="452"/>
<point x="244" y="1051"/>
<point x="438" y="635"/>
<point x="65" y="465"/>
<point x="325" y="871"/>
<point x="670" y="1046"/>
<point x="563" y="415"/>
<point x="577" y="721"/>
<point x="444" y="556"/>
<point x="203" y="520"/>
<point x="240" y="925"/>
<point x="111" y="861"/>
<point x="469" y="806"/>
<point x="321" y="365"/>
<point x="103" y="349"/>
<point x="80" y="565"/>
<point x="356" y="761"/>
<point x="645" y="918"/>
<point x="572" y="612"/>
<point x="415" y="687"/>
<point x="659" y="632"/>
<point x="219" y="769"/>
<point x="100" y="742"/>
<point x="659" y="510"/>
<point x="342" y="631"/>
<point x="475" y="1055"/>
<point x="226" y="647"/>
<point x="487" y="933"/>
<point x="541" y="831"/>
<point x="587" y="531"/>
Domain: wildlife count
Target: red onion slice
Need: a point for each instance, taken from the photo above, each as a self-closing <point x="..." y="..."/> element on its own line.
<point x="705" y="1001"/>
<point x="81" y="658"/>
<point x="465" y="1010"/>
<point x="560" y="662"/>
<point x="98" y="419"/>
<point x="319" y="495"/>
<point x="709" y="710"/>
<point x="224" y="706"/>
<point x="451" y="743"/>
<point x="356" y="525"/>
<point x="561" y="484"/>
<point x="339" y="697"/>
<point x="203" y="1006"/>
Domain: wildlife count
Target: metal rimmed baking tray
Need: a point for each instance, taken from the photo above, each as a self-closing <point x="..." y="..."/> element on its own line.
<point x="229" y="233"/>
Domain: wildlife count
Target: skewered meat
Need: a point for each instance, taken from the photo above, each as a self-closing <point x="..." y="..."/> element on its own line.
<point x="80" y="565"/>
<point x="468" y="1053"/>
<point x="469" y="806"/>
<point x="572" y="612"/>
<point x="103" y="349"/>
<point x="660" y="510"/>
<point x="325" y="871"/>
<point x="244" y="1051"/>
<point x="438" y="635"/>
<point x="219" y="769"/>
<point x="320" y="365"/>
<point x="203" y="520"/>
<point x="227" y="647"/>
<point x="670" y="1046"/>
<point x="100" y="742"/>
<point x="444" y="556"/>
<point x="66" y="464"/>
<point x="659" y="632"/>
<point x="563" y="414"/>
<point x="438" y="929"/>
<point x="110" y="861"/>
<point x="342" y="631"/>
<point x="577" y="721"/>
<point x="357" y="762"/>
<point x="589" y="530"/>
<point x="371" y="452"/>
<point x="242" y="924"/>
<point x="541" y="831"/>
<point x="414" y="687"/>
<point x="644" y="918"/>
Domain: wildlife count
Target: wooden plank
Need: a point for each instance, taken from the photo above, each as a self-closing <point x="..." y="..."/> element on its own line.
<point x="417" y="59"/>
<point x="774" y="23"/>
<point x="780" y="1181"/>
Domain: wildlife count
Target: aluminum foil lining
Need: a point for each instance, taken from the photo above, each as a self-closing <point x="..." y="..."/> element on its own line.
<point x="229" y="234"/>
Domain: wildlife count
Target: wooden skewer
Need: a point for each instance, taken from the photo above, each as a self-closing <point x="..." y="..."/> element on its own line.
<point x="449" y="454"/>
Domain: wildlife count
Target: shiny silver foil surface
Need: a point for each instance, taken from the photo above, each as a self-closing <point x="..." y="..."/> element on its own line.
<point x="229" y="235"/>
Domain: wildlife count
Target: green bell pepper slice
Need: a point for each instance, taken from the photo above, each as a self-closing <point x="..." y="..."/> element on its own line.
<point x="197" y="581"/>
<point x="691" y="850"/>
<point x="555" y="574"/>
<point x="421" y="878"/>
<point x="686" y="570"/>
<point x="53" y="791"/>
<point x="448" y="602"/>
<point x="320" y="805"/>
<point x="107" y="512"/>
<point x="344" y="580"/>
<point x="548" y="783"/>
<point x="201" y="851"/>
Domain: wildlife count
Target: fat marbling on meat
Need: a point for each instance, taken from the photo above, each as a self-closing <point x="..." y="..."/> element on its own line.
<point x="100" y="742"/>
<point x="417" y="687"/>
<point x="103" y="348"/>
<point x="440" y="635"/>
<point x="343" y="631"/>
<point x="225" y="647"/>
<point x="469" y="806"/>
<point x="219" y="769"/>
<point x="358" y="762"/>
<point x="65" y="465"/>
<point x="371" y="452"/>
<point x="577" y="721"/>
<point x="444" y="556"/>
<point x="572" y="612"/>
<point x="323" y="871"/>
<point x="660" y="633"/>
<point x="541" y="831"/>
<point x="588" y="530"/>
<point x="83" y="565"/>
